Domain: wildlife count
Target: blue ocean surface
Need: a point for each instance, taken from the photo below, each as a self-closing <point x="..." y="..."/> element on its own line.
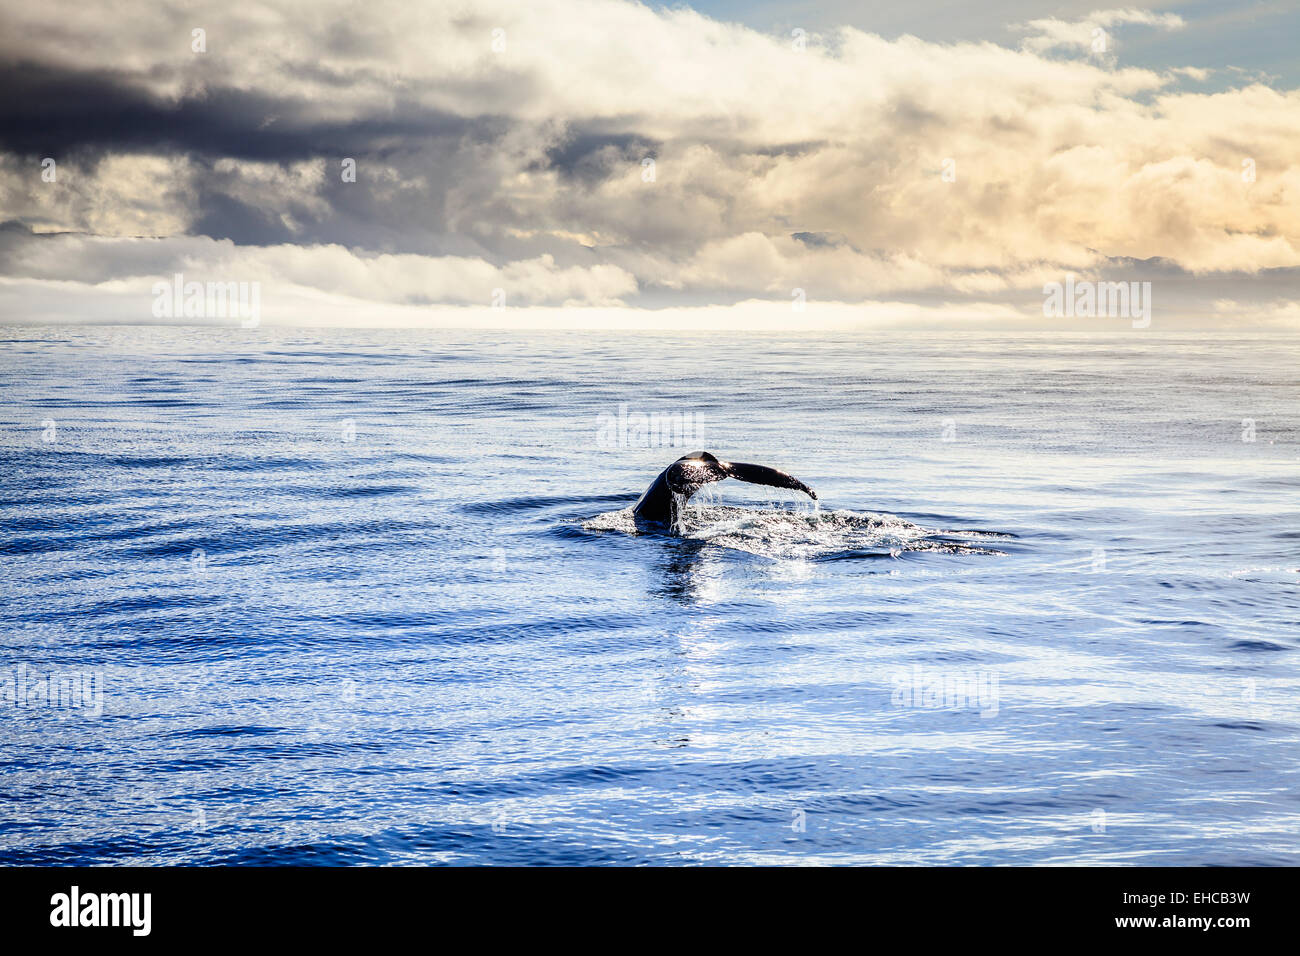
<point x="374" y="597"/>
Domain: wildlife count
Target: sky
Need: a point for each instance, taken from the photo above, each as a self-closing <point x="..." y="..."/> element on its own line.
<point x="613" y="165"/>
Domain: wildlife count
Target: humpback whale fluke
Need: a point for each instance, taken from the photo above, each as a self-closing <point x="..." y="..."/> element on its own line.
<point x="691" y="472"/>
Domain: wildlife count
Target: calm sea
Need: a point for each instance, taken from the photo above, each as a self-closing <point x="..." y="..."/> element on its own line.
<point x="336" y="597"/>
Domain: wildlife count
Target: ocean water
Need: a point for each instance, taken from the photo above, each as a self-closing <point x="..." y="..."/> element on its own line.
<point x="372" y="597"/>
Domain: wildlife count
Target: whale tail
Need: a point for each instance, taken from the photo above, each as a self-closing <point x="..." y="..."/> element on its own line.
<point x="689" y="473"/>
<point x="762" y="475"/>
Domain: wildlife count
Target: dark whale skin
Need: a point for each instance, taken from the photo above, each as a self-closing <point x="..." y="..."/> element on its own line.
<point x="658" y="504"/>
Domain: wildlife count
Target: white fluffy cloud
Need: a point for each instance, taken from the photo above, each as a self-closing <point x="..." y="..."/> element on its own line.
<point x="332" y="270"/>
<point x="1092" y="33"/>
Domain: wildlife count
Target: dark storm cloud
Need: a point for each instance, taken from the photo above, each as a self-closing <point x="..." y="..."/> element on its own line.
<point x="592" y="156"/>
<point x="408" y="157"/>
<point x="225" y="217"/>
<point x="52" y="111"/>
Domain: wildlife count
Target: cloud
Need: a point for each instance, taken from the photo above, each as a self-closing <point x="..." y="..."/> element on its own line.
<point x="1281" y="314"/>
<point x="332" y="270"/>
<point x="129" y="301"/>
<point x="597" y="152"/>
<point x="1090" y="33"/>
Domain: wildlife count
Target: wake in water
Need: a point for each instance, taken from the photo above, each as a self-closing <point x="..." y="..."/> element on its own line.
<point x="805" y="534"/>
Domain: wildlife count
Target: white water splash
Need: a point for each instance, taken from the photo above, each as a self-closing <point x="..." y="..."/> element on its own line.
<point x="813" y="533"/>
